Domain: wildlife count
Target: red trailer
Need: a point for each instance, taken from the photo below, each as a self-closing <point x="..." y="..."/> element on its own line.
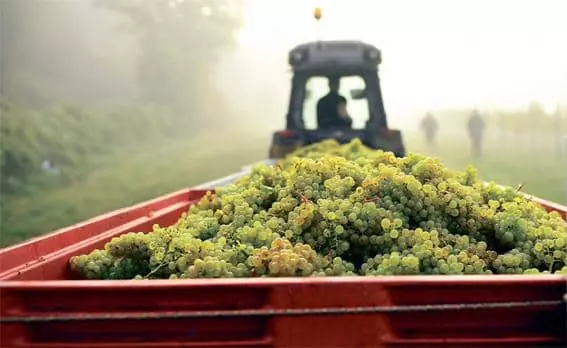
<point x="42" y="306"/>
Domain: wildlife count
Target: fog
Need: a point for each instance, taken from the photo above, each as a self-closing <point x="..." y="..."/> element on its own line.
<point x="436" y="55"/>
<point x="85" y="81"/>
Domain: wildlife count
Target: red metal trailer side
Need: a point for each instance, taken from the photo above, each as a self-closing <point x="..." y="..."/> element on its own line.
<point x="460" y="311"/>
<point x="42" y="307"/>
<point x="165" y="209"/>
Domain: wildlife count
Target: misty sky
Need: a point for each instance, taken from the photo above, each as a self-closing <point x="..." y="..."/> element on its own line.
<point x="436" y="53"/>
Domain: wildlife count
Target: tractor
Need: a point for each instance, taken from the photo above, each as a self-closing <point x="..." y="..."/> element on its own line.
<point x="355" y="63"/>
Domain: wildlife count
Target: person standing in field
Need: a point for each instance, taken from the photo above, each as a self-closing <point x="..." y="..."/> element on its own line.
<point x="429" y="126"/>
<point x="475" y="127"/>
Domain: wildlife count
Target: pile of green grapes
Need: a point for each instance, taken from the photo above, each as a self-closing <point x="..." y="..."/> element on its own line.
<point x="334" y="210"/>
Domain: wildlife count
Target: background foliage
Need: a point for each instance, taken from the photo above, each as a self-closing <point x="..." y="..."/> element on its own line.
<point x="86" y="77"/>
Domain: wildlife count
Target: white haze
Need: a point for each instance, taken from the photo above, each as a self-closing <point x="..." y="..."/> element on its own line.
<point x="437" y="54"/>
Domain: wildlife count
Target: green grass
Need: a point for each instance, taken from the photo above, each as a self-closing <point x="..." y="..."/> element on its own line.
<point x="121" y="180"/>
<point x="118" y="180"/>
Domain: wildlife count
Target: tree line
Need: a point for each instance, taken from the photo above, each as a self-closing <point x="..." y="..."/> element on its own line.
<point x="87" y="77"/>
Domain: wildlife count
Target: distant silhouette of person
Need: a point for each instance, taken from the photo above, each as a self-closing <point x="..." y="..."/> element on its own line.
<point x="331" y="109"/>
<point x="475" y="127"/>
<point x="429" y="126"/>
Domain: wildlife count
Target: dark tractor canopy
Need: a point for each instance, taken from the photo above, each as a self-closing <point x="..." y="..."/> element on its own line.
<point x="334" y="57"/>
<point x="350" y="65"/>
<point x="345" y="60"/>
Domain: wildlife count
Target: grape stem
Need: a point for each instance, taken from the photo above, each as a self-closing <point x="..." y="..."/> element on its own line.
<point x="155" y="269"/>
<point x="267" y="187"/>
<point x="303" y="198"/>
<point x="551" y="266"/>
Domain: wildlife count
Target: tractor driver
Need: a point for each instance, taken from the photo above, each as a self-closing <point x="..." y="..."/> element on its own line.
<point x="331" y="109"/>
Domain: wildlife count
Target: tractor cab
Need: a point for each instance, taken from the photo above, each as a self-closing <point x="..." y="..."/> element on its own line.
<point x="354" y="65"/>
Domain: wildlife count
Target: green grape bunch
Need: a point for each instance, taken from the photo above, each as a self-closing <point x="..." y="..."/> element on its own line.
<point x="344" y="210"/>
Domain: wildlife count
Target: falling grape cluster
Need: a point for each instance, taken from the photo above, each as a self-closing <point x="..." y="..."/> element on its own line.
<point x="344" y="210"/>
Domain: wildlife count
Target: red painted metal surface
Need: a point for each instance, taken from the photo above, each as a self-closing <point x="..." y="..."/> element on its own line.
<point x="35" y="283"/>
<point x="36" y="255"/>
<point x="551" y="206"/>
<point x="536" y="326"/>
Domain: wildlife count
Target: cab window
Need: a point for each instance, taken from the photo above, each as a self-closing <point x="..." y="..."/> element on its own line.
<point x="318" y="86"/>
